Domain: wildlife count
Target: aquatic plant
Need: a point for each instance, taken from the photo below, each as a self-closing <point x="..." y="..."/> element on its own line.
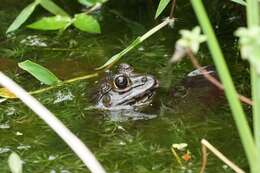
<point x="249" y="51"/>
<point x="61" y="20"/>
<point x="250" y="144"/>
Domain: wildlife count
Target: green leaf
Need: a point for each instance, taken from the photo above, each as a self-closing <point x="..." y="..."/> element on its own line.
<point x="162" y="5"/>
<point x="241" y="2"/>
<point x="90" y="3"/>
<point x="86" y="23"/>
<point x="15" y="163"/>
<point x="39" y="72"/>
<point x="22" y="17"/>
<point x="53" y="8"/>
<point x="51" y="23"/>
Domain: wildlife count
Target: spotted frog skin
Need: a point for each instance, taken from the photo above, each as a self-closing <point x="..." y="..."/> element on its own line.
<point x="126" y="89"/>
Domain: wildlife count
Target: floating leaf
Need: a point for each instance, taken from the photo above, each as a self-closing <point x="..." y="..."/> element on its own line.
<point x="39" y="72"/>
<point x="22" y="17"/>
<point x="15" y="163"/>
<point x="53" y="8"/>
<point x="162" y="5"/>
<point x="90" y="3"/>
<point x="241" y="2"/>
<point x="86" y="23"/>
<point x="51" y="23"/>
<point x="180" y="146"/>
<point x="6" y="93"/>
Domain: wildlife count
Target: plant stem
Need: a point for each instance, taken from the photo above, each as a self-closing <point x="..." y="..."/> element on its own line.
<point x="172" y="9"/>
<point x="204" y="158"/>
<point x="8" y="96"/>
<point x="135" y="43"/>
<point x="55" y="124"/>
<point x="212" y="79"/>
<point x="155" y="29"/>
<point x="221" y="156"/>
<point x="65" y="82"/>
<point x="252" y="21"/>
<point x="177" y="157"/>
<point x="230" y="91"/>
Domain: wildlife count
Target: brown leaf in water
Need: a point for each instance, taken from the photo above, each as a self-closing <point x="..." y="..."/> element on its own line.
<point x="6" y="93"/>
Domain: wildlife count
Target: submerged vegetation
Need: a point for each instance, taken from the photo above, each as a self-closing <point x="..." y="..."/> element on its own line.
<point x="61" y="58"/>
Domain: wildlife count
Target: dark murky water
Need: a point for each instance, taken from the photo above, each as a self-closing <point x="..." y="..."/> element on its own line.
<point x="183" y="115"/>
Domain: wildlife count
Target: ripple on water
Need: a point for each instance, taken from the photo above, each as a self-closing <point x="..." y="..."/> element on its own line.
<point x="4" y="150"/>
<point x="4" y="126"/>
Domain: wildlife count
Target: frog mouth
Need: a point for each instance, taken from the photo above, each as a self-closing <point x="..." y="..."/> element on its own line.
<point x="146" y="97"/>
<point x="142" y="99"/>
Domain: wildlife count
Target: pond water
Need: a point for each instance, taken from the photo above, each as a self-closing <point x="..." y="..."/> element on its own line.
<point x="183" y="115"/>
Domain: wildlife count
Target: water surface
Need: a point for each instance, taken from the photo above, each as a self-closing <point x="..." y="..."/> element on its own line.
<point x="183" y="115"/>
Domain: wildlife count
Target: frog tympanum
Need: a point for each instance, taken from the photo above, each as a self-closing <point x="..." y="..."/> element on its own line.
<point x="126" y="89"/>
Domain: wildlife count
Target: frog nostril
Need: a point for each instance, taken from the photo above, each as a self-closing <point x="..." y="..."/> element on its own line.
<point x="144" y="79"/>
<point x="105" y="88"/>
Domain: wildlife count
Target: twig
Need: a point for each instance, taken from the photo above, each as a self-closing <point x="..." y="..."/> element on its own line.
<point x="95" y="7"/>
<point x="73" y="142"/>
<point x="204" y="159"/>
<point x="213" y="80"/>
<point x="217" y="153"/>
<point x="56" y="86"/>
<point x="65" y="82"/>
<point x="56" y="49"/>
<point x="172" y="9"/>
<point x="176" y="156"/>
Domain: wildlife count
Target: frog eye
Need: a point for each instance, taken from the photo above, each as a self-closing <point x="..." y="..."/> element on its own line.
<point x="121" y="81"/>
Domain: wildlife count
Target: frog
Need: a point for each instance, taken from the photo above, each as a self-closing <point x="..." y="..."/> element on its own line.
<point x="126" y="89"/>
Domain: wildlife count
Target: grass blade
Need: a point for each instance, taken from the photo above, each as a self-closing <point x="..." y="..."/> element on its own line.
<point x="22" y="17"/>
<point x="136" y="42"/>
<point x="230" y="91"/>
<point x="241" y="2"/>
<point x="253" y="20"/>
<point x="117" y="56"/>
<point x="53" y="8"/>
<point x="162" y="5"/>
